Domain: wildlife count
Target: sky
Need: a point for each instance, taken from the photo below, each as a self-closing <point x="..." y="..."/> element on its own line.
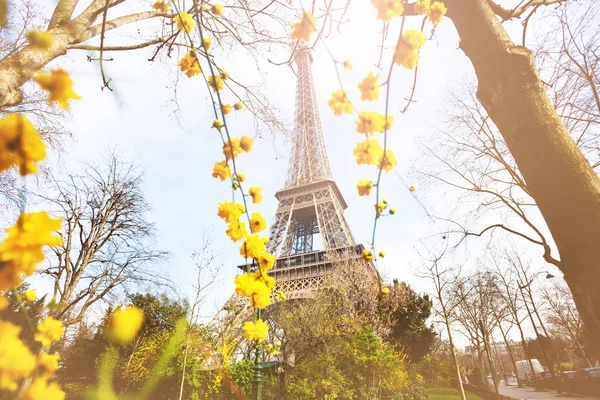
<point x="168" y="134"/>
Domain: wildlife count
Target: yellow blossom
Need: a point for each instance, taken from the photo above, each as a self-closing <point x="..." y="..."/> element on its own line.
<point x="232" y="148"/>
<point x="238" y="105"/>
<point x="241" y="177"/>
<point x="253" y="247"/>
<point x="422" y="6"/>
<point x="388" y="161"/>
<point x="221" y="170"/>
<point x="125" y="323"/>
<point x="256" y="286"/>
<point x="22" y="249"/>
<point x="224" y="75"/>
<point x="381" y="254"/>
<point x="368" y="152"/>
<point x="364" y="187"/>
<point x="369" y="87"/>
<point x="388" y="9"/>
<point x="207" y="43"/>
<point x="3" y="302"/>
<point x="59" y="84"/>
<point x="246" y="143"/>
<point x="281" y="295"/>
<point x="217" y="124"/>
<point x="385" y="290"/>
<point x="20" y="144"/>
<point x="230" y="211"/>
<point x="347" y="64"/>
<point x="370" y="122"/>
<point x="41" y="389"/>
<point x="262" y="276"/>
<point x="254" y="192"/>
<point x="305" y="27"/>
<point x="226" y="108"/>
<point x="392" y="211"/>
<point x="190" y="65"/>
<point x="407" y="49"/>
<point x="215" y="82"/>
<point x="30" y="295"/>
<point x="184" y="22"/>
<point x="412" y="188"/>
<point x="217" y="9"/>
<point x="161" y="6"/>
<point x="237" y="231"/>
<point x="245" y="284"/>
<point x="266" y="261"/>
<point x="48" y="363"/>
<point x="339" y="103"/>
<point x="16" y="360"/>
<point x="40" y="40"/>
<point x="257" y="223"/>
<point x="256" y="330"/>
<point x="437" y="12"/>
<point x="48" y="331"/>
<point x="367" y="255"/>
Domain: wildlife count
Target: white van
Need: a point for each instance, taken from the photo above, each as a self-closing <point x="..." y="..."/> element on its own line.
<point x="524" y="370"/>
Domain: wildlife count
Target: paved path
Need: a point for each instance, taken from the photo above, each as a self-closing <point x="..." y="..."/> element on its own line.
<point x="527" y="393"/>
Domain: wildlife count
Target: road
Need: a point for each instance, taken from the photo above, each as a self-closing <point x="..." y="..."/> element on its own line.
<point x="529" y="393"/>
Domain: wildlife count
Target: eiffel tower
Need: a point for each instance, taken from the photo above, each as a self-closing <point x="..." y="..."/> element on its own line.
<point x="309" y="234"/>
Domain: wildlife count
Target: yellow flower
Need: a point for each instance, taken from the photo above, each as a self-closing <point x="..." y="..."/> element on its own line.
<point x="161" y="6"/>
<point x="388" y="9"/>
<point x="263" y="277"/>
<point x="367" y="255"/>
<point x="412" y="188"/>
<point x="16" y="360"/>
<point x="207" y="43"/>
<point x="215" y="82"/>
<point x="253" y="247"/>
<point x="217" y="9"/>
<point x="226" y="108"/>
<point x="184" y="22"/>
<point x="59" y="84"/>
<point x="48" y="331"/>
<point x="339" y="103"/>
<point x="407" y="49"/>
<point x="370" y="122"/>
<point x="245" y="284"/>
<point x="369" y="87"/>
<point x="437" y="12"/>
<point x="48" y="363"/>
<point x="30" y="295"/>
<point x="3" y="302"/>
<point x="257" y="223"/>
<point x="232" y="148"/>
<point x="347" y="64"/>
<point x="41" y="389"/>
<point x="241" y="177"/>
<point x="305" y="27"/>
<point x="392" y="211"/>
<point x="422" y="6"/>
<point x="381" y="254"/>
<point x="221" y="170"/>
<point x="266" y="261"/>
<point x="125" y="323"/>
<point x="190" y="65"/>
<point x="368" y="152"/>
<point x="387" y="161"/>
<point x="257" y="286"/>
<point x="281" y="295"/>
<point x="254" y="192"/>
<point x="385" y="290"/>
<point x="224" y="75"/>
<point x="22" y="249"/>
<point x="40" y="40"/>
<point x="238" y="105"/>
<point x="230" y="211"/>
<point x="20" y="144"/>
<point x="256" y="330"/>
<point x="217" y="124"/>
<point x="237" y="231"/>
<point x="364" y="187"/>
<point x="246" y="143"/>
<point x="379" y="207"/>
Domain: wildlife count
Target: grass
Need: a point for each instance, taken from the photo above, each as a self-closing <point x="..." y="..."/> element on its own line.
<point x="448" y="394"/>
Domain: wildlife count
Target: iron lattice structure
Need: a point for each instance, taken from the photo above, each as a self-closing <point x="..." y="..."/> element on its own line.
<point x="310" y="212"/>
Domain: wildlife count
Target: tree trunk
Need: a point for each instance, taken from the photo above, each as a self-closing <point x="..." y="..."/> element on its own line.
<point x="560" y="179"/>
<point x="454" y="357"/>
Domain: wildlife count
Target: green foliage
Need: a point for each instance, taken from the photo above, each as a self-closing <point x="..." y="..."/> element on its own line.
<point x="241" y="373"/>
<point x="448" y="394"/>
<point x="437" y="367"/>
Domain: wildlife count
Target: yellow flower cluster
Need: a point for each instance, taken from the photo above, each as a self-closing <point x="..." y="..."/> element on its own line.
<point x="388" y="9"/>
<point x="16" y="360"/>
<point x="340" y="103"/>
<point x="48" y="331"/>
<point x="370" y="122"/>
<point x="305" y="27"/>
<point x="20" y="144"/>
<point x="59" y="85"/>
<point x="364" y="187"/>
<point x="161" y="6"/>
<point x="190" y="65"/>
<point x="435" y="11"/>
<point x="407" y="49"/>
<point x="125" y="322"/>
<point x="22" y="249"/>
<point x="256" y="330"/>
<point x="369" y="87"/>
<point x="184" y="22"/>
<point x="235" y="146"/>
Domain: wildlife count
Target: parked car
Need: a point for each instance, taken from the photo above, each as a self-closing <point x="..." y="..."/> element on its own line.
<point x="524" y="370"/>
<point x="586" y="381"/>
<point x="553" y="380"/>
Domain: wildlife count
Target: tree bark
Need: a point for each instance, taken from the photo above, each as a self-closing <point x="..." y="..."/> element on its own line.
<point x="560" y="179"/>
